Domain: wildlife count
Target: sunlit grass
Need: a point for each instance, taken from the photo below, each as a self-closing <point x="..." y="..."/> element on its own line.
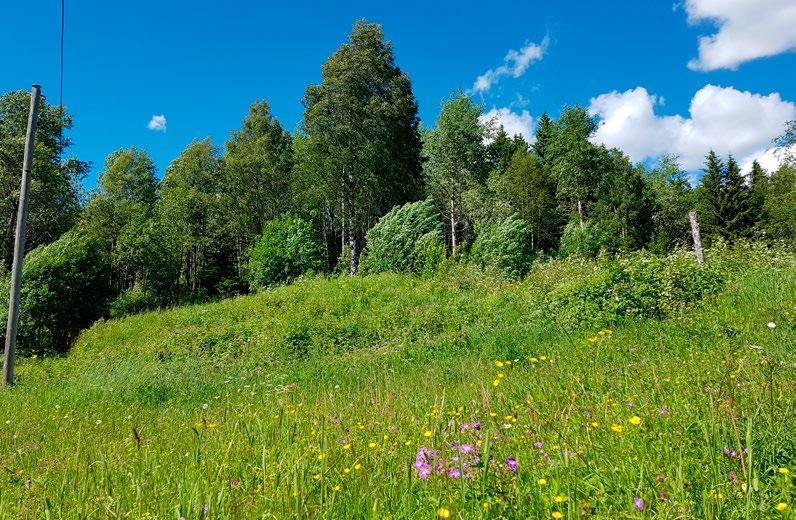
<point x="315" y="400"/>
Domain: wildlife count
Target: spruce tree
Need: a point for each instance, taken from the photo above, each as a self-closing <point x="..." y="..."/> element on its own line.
<point x="709" y="196"/>
<point x="758" y="182"/>
<point x="735" y="202"/>
<point x="544" y="133"/>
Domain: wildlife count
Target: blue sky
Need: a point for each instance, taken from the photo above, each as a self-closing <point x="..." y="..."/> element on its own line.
<point x="200" y="64"/>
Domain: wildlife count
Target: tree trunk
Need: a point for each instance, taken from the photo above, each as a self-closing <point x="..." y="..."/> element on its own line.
<point x="580" y="212"/>
<point x="354" y="245"/>
<point x="453" y="228"/>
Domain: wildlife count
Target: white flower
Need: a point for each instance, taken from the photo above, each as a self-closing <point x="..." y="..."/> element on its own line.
<point x="205" y="406"/>
<point x="772" y="325"/>
<point x="99" y="421"/>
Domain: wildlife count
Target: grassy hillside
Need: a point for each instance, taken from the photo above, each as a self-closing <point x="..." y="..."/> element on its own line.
<point x="591" y="389"/>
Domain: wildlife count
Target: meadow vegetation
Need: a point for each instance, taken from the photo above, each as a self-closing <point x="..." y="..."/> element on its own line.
<point x="611" y="388"/>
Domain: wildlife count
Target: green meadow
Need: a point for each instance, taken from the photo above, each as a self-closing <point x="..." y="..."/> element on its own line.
<point x="634" y="388"/>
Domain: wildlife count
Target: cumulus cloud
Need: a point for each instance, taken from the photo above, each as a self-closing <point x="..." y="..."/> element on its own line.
<point x="157" y="123"/>
<point x="513" y="123"/>
<point x="747" y="30"/>
<point x="515" y="64"/>
<point x="722" y="119"/>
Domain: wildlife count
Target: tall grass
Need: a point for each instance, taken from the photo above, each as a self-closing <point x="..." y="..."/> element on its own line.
<point x="316" y="399"/>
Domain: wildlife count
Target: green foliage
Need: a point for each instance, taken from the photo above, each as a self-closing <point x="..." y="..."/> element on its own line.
<point x="672" y="199"/>
<point x="503" y="247"/>
<point x="65" y="288"/>
<point x="640" y="285"/>
<point x="287" y="249"/>
<point x="134" y="301"/>
<point x="780" y="204"/>
<point x="391" y="243"/>
<point x="579" y="239"/>
<point x="55" y="195"/>
<point x="428" y="253"/>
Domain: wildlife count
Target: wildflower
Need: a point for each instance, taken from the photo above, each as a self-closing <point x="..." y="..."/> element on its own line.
<point x="559" y="499"/>
<point x="533" y="360"/>
<point x="347" y="446"/>
<point x="557" y="515"/>
<point x="635" y="420"/>
<point x="638" y="503"/>
<point x="427" y="433"/>
<point x="443" y="513"/>
<point x="233" y="483"/>
<point x="317" y="476"/>
<point x="781" y="507"/>
<point x="630" y="404"/>
<point x="371" y="445"/>
<point x="594" y="424"/>
<point x="346" y="470"/>
<point x="337" y="488"/>
<point x="205" y="406"/>
<point x="511" y="463"/>
<point x="783" y="471"/>
<point x="500" y="375"/>
<point x="454" y="472"/>
<point x="467" y="449"/>
<point x="542" y="482"/>
<point x="617" y="428"/>
<point x="772" y="326"/>
<point x="542" y="358"/>
<point x="499" y="364"/>
<point x="538" y="444"/>
<point x="321" y="456"/>
<point x="664" y="411"/>
<point x="206" y="509"/>
<point x="496" y="382"/>
<point x="357" y="466"/>
<point x="486" y="505"/>
<point x="732" y="477"/>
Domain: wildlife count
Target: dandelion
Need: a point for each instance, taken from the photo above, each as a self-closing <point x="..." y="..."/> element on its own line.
<point x="557" y="515"/>
<point x="347" y="446"/>
<point x="559" y="499"/>
<point x="321" y="456"/>
<point x="357" y="466"/>
<point x="486" y="505"/>
<point x="371" y="445"/>
<point x="542" y="358"/>
<point x="594" y="424"/>
<point x="443" y="513"/>
<point x="533" y="360"/>
<point x="781" y="507"/>
<point x="511" y="463"/>
<point x="499" y="364"/>
<point x="346" y="470"/>
<point x="635" y="420"/>
<point x="638" y="503"/>
<point x="542" y="482"/>
<point x="783" y="471"/>
<point x="617" y="428"/>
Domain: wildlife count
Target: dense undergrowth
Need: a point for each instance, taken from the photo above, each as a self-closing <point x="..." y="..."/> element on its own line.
<point x="644" y="386"/>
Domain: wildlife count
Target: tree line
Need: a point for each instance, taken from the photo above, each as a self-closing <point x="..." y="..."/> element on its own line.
<point x="360" y="187"/>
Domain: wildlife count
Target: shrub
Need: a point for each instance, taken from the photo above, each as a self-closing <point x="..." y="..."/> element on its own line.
<point x="428" y="254"/>
<point x="503" y="247"/>
<point x="135" y="300"/>
<point x="579" y="239"/>
<point x="287" y="249"/>
<point x="392" y="244"/>
<point x="65" y="288"/>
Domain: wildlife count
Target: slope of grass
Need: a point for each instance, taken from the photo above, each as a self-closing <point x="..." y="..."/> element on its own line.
<point x="317" y="399"/>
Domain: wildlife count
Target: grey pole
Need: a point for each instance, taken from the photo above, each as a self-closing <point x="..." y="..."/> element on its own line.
<point x="692" y="216"/>
<point x="19" y="244"/>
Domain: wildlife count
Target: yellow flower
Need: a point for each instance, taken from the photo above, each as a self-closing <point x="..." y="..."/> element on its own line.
<point x="486" y="505"/>
<point x="211" y="425"/>
<point x="559" y="498"/>
<point x="443" y="513"/>
<point x="508" y="363"/>
<point x="617" y="428"/>
<point x="500" y="375"/>
<point x="557" y="515"/>
<point x="371" y="445"/>
<point x="347" y="471"/>
<point x="321" y="456"/>
<point x="492" y="414"/>
<point x="635" y="420"/>
<point x="542" y="482"/>
<point x="347" y="446"/>
<point x="542" y="358"/>
<point x="782" y="506"/>
<point x="407" y="443"/>
<point x="496" y="382"/>
<point x="594" y="424"/>
<point x="784" y="471"/>
<point x="336" y="488"/>
<point x="427" y="433"/>
<point x="386" y="437"/>
<point x="357" y="466"/>
<point x="317" y="476"/>
<point x="499" y="364"/>
<point x="533" y="360"/>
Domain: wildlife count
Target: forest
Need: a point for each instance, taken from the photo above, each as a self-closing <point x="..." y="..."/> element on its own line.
<point x="361" y="187"/>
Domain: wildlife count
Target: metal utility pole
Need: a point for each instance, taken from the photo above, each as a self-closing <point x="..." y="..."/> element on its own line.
<point x="692" y="216"/>
<point x="19" y="244"/>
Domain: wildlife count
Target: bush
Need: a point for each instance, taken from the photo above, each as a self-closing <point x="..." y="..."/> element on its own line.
<point x="428" y="254"/>
<point x="392" y="244"/>
<point x="65" y="288"/>
<point x="503" y="247"/>
<point x="581" y="240"/>
<point x="640" y="285"/>
<point x="287" y="249"/>
<point x="135" y="300"/>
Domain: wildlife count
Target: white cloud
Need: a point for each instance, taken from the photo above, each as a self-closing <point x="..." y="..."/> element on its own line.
<point x="157" y="123"/>
<point x="513" y="123"/>
<point x="514" y="64"/>
<point x="747" y="30"/>
<point x="722" y="119"/>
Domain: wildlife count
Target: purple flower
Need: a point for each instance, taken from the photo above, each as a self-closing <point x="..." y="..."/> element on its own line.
<point x="638" y="503"/>
<point x="206" y="509"/>
<point x="467" y="449"/>
<point x="733" y="477"/>
<point x="664" y="411"/>
<point x="538" y="444"/>
<point x="511" y="462"/>
<point x="630" y="404"/>
<point x="233" y="483"/>
<point x="454" y="473"/>
<point x="476" y="425"/>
